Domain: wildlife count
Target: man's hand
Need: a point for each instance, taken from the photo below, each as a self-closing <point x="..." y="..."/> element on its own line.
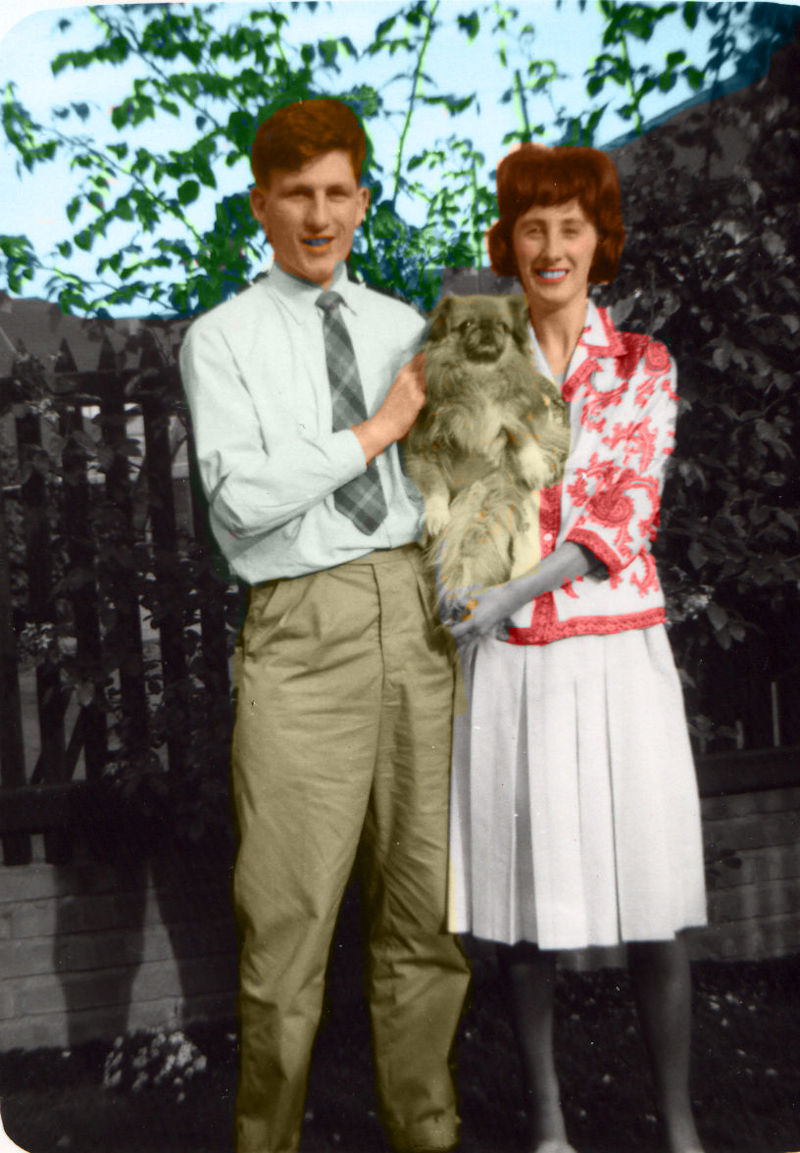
<point x="397" y="413"/>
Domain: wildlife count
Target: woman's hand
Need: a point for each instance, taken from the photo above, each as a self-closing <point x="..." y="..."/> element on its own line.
<point x="472" y="613"/>
<point x="483" y="614"/>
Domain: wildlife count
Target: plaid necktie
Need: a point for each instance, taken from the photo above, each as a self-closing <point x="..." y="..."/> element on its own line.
<point x="361" y="499"/>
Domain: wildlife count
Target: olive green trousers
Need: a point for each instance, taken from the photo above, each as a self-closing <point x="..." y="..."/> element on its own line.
<point x="341" y="751"/>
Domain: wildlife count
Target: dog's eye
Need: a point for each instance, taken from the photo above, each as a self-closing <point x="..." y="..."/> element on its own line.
<point x="466" y="325"/>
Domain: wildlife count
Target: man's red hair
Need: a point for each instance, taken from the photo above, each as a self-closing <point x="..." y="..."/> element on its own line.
<point x="299" y="132"/>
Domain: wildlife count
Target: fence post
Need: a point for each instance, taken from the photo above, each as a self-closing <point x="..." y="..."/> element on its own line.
<point x="166" y="553"/>
<point x="120" y="564"/>
<point x="51" y="698"/>
<point x="83" y="588"/>
<point x="16" y="846"/>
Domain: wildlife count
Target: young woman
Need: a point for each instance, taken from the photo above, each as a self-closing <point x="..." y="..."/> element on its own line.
<point x="575" y="810"/>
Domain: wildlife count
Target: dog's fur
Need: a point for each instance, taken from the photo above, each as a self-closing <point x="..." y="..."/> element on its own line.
<point x="491" y="432"/>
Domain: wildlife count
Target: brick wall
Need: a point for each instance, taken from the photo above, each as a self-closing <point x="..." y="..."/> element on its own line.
<point x="92" y="950"/>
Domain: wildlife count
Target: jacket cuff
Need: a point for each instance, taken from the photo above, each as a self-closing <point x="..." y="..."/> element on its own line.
<point x="598" y="547"/>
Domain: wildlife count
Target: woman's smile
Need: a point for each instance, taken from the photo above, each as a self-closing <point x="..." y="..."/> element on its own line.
<point x="551" y="274"/>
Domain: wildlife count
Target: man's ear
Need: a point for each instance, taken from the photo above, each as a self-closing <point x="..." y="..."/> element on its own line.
<point x="258" y="206"/>
<point x="364" y="198"/>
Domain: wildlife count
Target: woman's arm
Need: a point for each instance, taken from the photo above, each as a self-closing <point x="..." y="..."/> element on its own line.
<point x="486" y="610"/>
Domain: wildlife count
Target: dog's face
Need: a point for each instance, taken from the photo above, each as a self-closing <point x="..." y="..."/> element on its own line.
<point x="480" y="328"/>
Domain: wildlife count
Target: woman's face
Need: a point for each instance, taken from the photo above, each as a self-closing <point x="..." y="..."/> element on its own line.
<point x="554" y="247"/>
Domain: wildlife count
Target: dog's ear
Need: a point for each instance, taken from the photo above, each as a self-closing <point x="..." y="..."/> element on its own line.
<point x="518" y="307"/>
<point x="440" y="319"/>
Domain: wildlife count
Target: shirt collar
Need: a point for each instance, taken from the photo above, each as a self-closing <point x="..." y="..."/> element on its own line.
<point x="300" y="296"/>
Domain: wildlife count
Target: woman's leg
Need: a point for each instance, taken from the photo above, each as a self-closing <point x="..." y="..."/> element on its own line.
<point x="531" y="974"/>
<point x="662" y="983"/>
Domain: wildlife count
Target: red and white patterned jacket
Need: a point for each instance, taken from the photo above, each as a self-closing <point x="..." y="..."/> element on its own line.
<point x="621" y="390"/>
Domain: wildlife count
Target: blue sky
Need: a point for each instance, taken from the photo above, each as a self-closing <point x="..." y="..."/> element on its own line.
<point x="34" y="205"/>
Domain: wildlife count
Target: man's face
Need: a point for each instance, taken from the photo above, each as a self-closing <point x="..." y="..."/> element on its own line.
<point x="309" y="215"/>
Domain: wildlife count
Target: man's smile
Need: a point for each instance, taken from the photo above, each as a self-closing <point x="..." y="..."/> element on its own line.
<point x="317" y="241"/>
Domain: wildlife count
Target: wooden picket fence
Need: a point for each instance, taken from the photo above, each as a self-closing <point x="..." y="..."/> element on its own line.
<point x="126" y="570"/>
<point x="122" y="380"/>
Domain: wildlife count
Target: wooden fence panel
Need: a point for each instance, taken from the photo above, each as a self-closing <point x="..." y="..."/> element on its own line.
<point x="123" y="587"/>
<point x="131" y="556"/>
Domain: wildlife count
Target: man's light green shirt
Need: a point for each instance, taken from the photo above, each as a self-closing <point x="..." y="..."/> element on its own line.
<point x="256" y="382"/>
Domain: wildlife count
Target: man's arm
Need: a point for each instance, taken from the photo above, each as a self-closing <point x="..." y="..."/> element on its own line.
<point x="397" y="413"/>
<point x="254" y="488"/>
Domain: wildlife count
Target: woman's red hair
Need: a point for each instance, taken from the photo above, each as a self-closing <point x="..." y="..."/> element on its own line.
<point x="534" y="174"/>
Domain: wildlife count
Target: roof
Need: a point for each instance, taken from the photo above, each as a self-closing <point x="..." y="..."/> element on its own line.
<point x="72" y="343"/>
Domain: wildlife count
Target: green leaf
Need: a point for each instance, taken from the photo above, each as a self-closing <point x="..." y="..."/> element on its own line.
<point x="188" y="191"/>
<point x="205" y="174"/>
<point x="121" y="114"/>
<point x="470" y="24"/>
<point x="385" y="222"/>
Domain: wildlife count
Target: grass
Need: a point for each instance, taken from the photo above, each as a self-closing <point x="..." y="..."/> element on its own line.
<point x="746" y="1075"/>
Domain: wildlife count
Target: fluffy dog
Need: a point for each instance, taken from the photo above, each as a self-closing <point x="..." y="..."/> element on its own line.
<point x="491" y="432"/>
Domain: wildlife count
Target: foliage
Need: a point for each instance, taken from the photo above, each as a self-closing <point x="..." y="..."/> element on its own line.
<point x="711" y="268"/>
<point x="104" y="569"/>
<point x="136" y="206"/>
<point x="167" y="1061"/>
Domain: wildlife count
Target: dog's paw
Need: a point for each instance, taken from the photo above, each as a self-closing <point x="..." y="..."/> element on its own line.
<point x="437" y="515"/>
<point x="534" y="466"/>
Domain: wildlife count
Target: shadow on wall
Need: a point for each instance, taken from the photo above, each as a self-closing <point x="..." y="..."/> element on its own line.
<point x="142" y="942"/>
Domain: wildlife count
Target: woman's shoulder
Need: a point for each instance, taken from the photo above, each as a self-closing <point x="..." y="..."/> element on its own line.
<point x="631" y="350"/>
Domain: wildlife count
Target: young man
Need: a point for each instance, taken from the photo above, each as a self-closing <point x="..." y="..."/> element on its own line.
<point x="299" y="391"/>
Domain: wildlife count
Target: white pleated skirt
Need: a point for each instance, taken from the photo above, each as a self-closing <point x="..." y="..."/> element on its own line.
<point x="575" y="817"/>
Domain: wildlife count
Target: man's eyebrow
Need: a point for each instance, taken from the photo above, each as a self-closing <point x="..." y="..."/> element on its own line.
<point x="301" y="186"/>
